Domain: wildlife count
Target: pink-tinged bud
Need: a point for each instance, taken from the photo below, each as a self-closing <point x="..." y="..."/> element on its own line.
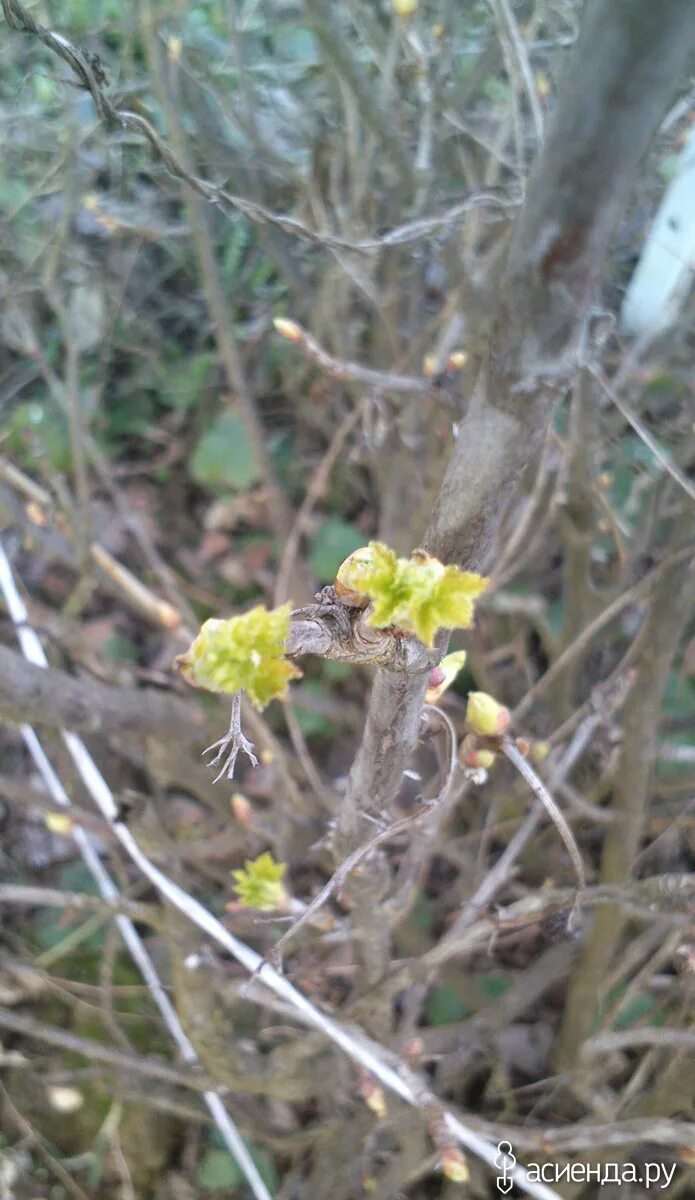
<point x="486" y="716"/>
<point x="454" y="1165"/>
<point x="288" y="329"/>
<point x="437" y="676"/>
<point x="471" y="756"/>
<point x="414" y="1049"/>
<point x="241" y="809"/>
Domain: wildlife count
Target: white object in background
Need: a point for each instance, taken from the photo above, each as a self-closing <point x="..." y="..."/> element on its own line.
<point x="663" y="276"/>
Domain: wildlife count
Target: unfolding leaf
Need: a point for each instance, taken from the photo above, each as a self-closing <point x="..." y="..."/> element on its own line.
<point x="419" y="595"/>
<point x="259" y="883"/>
<point x="244" y="652"/>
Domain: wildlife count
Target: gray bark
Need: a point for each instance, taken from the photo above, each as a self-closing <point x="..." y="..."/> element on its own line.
<point x="48" y="697"/>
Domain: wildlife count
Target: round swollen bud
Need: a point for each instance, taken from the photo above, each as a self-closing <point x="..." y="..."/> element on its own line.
<point x="288" y="329"/>
<point x="486" y="716"/>
<point x="241" y="809"/>
<point x="470" y="755"/>
<point x="540" y="751"/>
<point x="404" y="8"/>
<point x="350" y="574"/>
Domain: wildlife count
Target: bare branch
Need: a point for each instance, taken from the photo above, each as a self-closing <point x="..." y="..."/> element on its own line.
<point x="50" y="697"/>
<point x="661" y="455"/>
<point x="380" y="381"/>
<point x="92" y="77"/>
<point x="539" y="789"/>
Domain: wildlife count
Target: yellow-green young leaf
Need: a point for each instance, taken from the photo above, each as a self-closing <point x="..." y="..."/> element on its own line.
<point x="418" y="594"/>
<point x="259" y="884"/>
<point x="242" y="652"/>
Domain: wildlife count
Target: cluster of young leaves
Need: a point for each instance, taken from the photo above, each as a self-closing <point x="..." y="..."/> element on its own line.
<point x="245" y="652"/>
<point x="259" y="884"/>
<point x="418" y="594"/>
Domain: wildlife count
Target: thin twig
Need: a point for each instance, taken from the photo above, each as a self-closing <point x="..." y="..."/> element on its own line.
<point x="381" y="381"/>
<point x="516" y="56"/>
<point x="625" y="1039"/>
<point x="25" y="895"/>
<point x="91" y="76"/>
<point x="119" y="1060"/>
<point x="639" y="592"/>
<point x="27" y="1129"/>
<point x="346" y="867"/>
<point x="512" y="752"/>
<point x="136" y="593"/>
<point x="661" y="455"/>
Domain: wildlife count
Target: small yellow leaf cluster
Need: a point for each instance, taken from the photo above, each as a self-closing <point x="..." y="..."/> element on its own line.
<point x="418" y="595"/>
<point x="242" y="652"/>
<point x="259" y="884"/>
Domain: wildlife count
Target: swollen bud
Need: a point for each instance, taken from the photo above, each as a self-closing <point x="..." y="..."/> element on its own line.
<point x="351" y="574"/>
<point x="470" y="755"/>
<point x="540" y="751"/>
<point x="437" y="676"/>
<point x="443" y="676"/>
<point x="241" y="809"/>
<point x="454" y="1165"/>
<point x="486" y="716"/>
<point x="373" y="1095"/>
<point x="404" y="8"/>
<point x="288" y="329"/>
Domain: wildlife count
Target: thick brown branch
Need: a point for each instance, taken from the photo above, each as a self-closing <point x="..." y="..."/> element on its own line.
<point x="50" y="697"/>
